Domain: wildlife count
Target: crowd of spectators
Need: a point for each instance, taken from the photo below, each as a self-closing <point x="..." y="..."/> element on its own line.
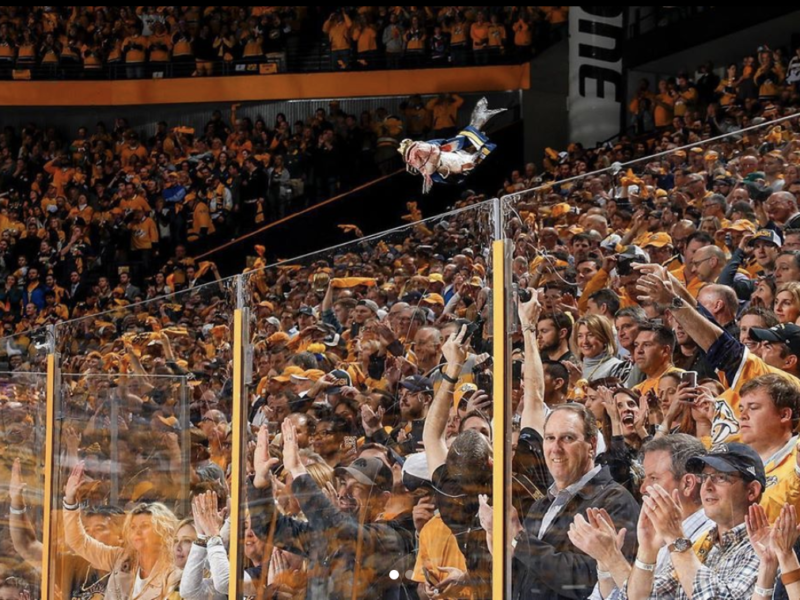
<point x="109" y="215"/>
<point x="431" y="36"/>
<point x="655" y="393"/>
<point x="96" y="42"/>
<point x="718" y="98"/>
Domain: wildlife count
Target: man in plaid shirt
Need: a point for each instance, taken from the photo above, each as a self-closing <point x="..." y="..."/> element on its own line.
<point x="722" y="565"/>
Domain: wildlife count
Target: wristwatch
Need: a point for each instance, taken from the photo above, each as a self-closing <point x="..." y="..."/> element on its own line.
<point x="677" y="303"/>
<point x="680" y="545"/>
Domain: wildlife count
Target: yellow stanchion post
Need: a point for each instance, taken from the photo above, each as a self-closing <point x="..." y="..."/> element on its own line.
<point x="236" y="451"/>
<point x="501" y="490"/>
<point x="49" y="442"/>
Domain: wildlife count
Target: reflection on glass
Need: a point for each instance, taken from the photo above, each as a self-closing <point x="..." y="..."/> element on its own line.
<point x="347" y="381"/>
<point x="143" y="427"/>
<point x="22" y="430"/>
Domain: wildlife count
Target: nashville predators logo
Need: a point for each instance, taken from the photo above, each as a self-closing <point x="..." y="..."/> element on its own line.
<point x="724" y="424"/>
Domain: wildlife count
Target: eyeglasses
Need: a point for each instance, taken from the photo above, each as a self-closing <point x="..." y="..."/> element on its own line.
<point x="717" y="478"/>
<point x="696" y="263"/>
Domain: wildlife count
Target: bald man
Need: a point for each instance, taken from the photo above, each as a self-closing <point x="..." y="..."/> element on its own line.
<point x="680" y="234"/>
<point x="428" y="349"/>
<point x="707" y="264"/>
<point x="747" y="165"/>
<point x="721" y="302"/>
<point x="781" y="208"/>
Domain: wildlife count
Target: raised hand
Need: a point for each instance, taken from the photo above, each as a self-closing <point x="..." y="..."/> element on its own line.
<point x="784" y="536"/>
<point x="759" y="532"/>
<point x="596" y="535"/>
<point x="529" y="311"/>
<point x="664" y="512"/>
<point x="262" y="461"/>
<point x="655" y="284"/>
<point x="212" y="518"/>
<point x="76" y="479"/>
<point x="455" y="349"/>
<point x="291" y="451"/>
<point x="370" y="419"/>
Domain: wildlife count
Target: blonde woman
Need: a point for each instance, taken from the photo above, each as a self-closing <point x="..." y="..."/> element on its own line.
<point x="787" y="302"/>
<point x="143" y="568"/>
<point x="593" y="342"/>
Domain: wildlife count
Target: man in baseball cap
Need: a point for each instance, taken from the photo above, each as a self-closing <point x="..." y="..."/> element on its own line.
<point x="366" y="471"/>
<point x="780" y="346"/>
<point x="733" y="458"/>
<point x="731" y="479"/>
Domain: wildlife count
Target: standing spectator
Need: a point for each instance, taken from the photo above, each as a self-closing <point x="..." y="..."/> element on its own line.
<point x="393" y="41"/>
<point x="769" y="76"/>
<point x="444" y="111"/>
<point x="226" y="49"/>
<point x="479" y="34"/>
<point x="8" y="52"/>
<point x="439" y="46"/>
<point x="253" y="191"/>
<point x="459" y="39"/>
<point x="326" y="165"/>
<point x="365" y="34"/>
<point x="418" y="118"/>
<point x="497" y="37"/>
<point x="687" y="97"/>
<point x="280" y="191"/>
<point x="275" y="41"/>
<point x="204" y="53"/>
<point x="50" y="54"/>
<point x="134" y="48"/>
<point x="415" y="43"/>
<point x="338" y="27"/>
<point x="793" y="71"/>
<point x="545" y="561"/>
<point x="664" y="104"/>
<point x="182" y="50"/>
<point x="523" y="36"/>
<point x="160" y="45"/>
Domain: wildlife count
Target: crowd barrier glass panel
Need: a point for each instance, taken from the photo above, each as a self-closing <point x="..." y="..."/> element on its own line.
<point x="345" y="370"/>
<point x="153" y="384"/>
<point x="127" y="460"/>
<point x="22" y="471"/>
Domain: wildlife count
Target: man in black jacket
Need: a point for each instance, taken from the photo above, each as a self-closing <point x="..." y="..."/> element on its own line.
<point x="546" y="564"/>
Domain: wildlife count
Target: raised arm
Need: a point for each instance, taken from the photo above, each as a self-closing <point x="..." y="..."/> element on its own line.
<point x="23" y="535"/>
<point x="533" y="412"/>
<point x="433" y="434"/>
<point x="658" y="286"/>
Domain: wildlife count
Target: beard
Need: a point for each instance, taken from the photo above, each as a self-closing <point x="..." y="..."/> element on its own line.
<point x="551" y="347"/>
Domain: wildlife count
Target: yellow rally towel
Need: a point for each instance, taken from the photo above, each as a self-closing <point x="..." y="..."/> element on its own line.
<point x="351" y="282"/>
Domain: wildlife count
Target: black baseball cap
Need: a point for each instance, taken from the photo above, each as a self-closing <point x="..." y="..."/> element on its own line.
<point x="731" y="458"/>
<point x="306" y="310"/>
<point x="417" y="383"/>
<point x="785" y="333"/>
<point x="369" y="471"/>
<point x="340" y="374"/>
